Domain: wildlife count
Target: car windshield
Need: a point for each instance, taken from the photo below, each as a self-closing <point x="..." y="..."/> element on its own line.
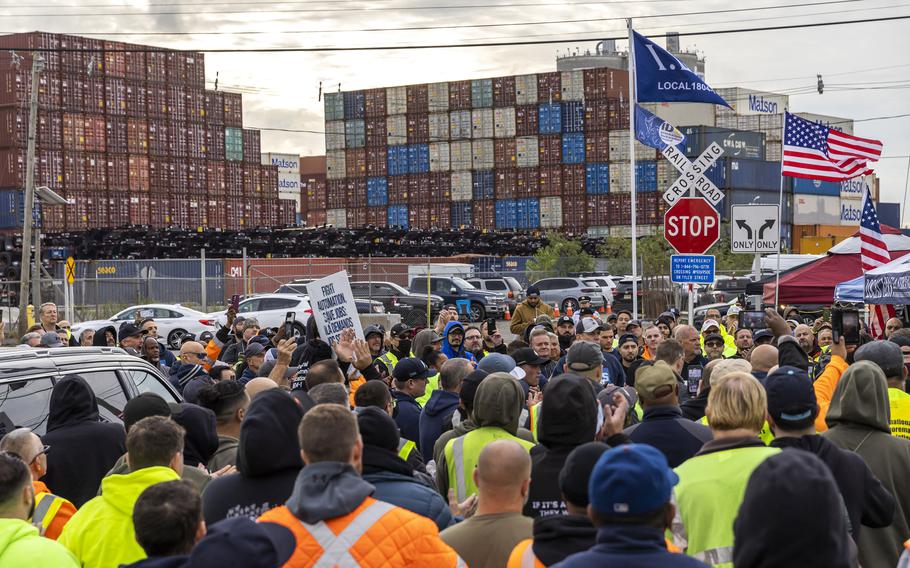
<point x="595" y="282"/>
<point x="461" y="283"/>
<point x="513" y="284"/>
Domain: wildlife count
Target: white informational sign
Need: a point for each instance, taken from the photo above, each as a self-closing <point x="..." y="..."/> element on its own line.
<point x="853" y="189"/>
<point x="754" y="228"/>
<point x="333" y="306"/>
<point x="693" y="174"/>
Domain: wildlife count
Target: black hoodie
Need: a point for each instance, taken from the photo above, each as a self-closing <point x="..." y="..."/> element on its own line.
<point x="83" y="448"/>
<point x="98" y="340"/>
<point x="568" y="418"/>
<point x="268" y="461"/>
<point x="309" y="352"/>
<point x="201" y="440"/>
<point x="557" y="537"/>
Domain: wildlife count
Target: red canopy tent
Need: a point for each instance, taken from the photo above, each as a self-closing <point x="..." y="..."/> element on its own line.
<point x="814" y="283"/>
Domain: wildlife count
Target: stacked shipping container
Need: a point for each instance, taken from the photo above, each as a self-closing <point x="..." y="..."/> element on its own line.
<point x="130" y="134"/>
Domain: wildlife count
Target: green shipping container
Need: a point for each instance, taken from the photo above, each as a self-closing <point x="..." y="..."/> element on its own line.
<point x="233" y="144"/>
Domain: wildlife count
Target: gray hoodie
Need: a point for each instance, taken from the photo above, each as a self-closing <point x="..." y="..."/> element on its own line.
<point x="327" y="490"/>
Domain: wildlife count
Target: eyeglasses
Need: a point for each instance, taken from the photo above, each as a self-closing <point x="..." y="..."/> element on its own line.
<point x="713" y="344"/>
<point x="199" y="354"/>
<point x="44" y="450"/>
<point x="65" y="327"/>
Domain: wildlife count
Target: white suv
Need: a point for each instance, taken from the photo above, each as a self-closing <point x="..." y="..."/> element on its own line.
<point x="271" y="309"/>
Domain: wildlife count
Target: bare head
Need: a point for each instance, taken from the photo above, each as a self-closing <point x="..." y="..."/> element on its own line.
<point x="27" y="445"/>
<point x="259" y="384"/>
<point x="763" y="358"/>
<point x="503" y="476"/>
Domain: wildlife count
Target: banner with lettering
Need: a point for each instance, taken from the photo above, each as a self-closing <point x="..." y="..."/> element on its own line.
<point x="661" y="77"/>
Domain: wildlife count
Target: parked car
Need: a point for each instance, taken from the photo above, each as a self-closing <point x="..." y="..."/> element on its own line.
<point x="726" y="289"/>
<point x="271" y="310"/>
<point x="606" y="285"/>
<point x="367" y="306"/>
<point x="297" y="286"/>
<point x="504" y="285"/>
<point x="174" y="321"/>
<point x="29" y="376"/>
<point x="399" y="300"/>
<point x="483" y="304"/>
<point x="565" y="291"/>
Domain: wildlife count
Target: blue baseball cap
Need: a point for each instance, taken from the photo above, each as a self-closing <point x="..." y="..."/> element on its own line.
<point x="241" y="541"/>
<point x="631" y="479"/>
<point x="410" y="368"/>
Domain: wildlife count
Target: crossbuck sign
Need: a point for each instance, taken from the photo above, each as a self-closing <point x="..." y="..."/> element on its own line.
<point x="693" y="174"/>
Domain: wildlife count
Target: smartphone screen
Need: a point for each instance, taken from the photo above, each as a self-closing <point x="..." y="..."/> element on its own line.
<point x="694" y="373"/>
<point x="289" y="320"/>
<point x="752" y="320"/>
<point x="850" y="327"/>
<point x="491" y="326"/>
<point x="235" y="301"/>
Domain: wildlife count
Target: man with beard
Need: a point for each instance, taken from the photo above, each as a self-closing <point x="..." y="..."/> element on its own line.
<point x="694" y="361"/>
<point x="628" y="357"/>
<point x="453" y="342"/>
<point x="473" y="342"/>
<point x="528" y="311"/>
<point x="743" y="342"/>
<point x="565" y="331"/>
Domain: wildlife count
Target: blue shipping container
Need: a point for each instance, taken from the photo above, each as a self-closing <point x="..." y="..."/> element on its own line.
<point x="816" y="187"/>
<point x="573" y="148"/>
<point x="377" y="191"/>
<point x="506" y="214"/>
<point x="397" y="160"/>
<point x="549" y="118"/>
<point x="482" y="184"/>
<point x="889" y="214"/>
<point x="398" y="216"/>
<point x="573" y="116"/>
<point x="597" y="178"/>
<point x="753" y="174"/>
<point x="461" y="214"/>
<point x="12" y="208"/>
<point x="646" y="176"/>
<point x="354" y="105"/>
<point x="527" y="213"/>
<point x="752" y="197"/>
<point x="418" y="158"/>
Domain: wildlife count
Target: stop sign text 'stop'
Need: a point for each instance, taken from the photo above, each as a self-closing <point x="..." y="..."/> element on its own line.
<point x="692" y="225"/>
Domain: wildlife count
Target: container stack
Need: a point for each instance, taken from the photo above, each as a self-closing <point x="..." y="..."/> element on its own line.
<point x="289" y="197"/>
<point x="129" y="134"/>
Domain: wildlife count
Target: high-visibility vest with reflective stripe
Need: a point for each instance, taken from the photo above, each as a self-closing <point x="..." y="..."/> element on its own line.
<point x="405" y="447"/>
<point x="534" y="414"/>
<point x="523" y="556"/>
<point x="47" y="516"/>
<point x="462" y="453"/>
<point x="765" y="433"/>
<point x="389" y="360"/>
<point x="708" y="496"/>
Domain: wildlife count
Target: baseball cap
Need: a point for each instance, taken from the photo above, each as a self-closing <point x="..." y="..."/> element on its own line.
<point x="633" y="323"/>
<point x="240" y="541"/>
<point x="666" y="318"/>
<point x="655" y="381"/>
<point x="373" y="329"/>
<point x="792" y="322"/>
<point x="51" y="339"/>
<point x="400" y="328"/>
<point x="584" y="298"/>
<point x="587" y="325"/>
<point x="734" y="311"/>
<point x="500" y="363"/>
<point x="583" y="356"/>
<point x="762" y="335"/>
<point x="627" y="337"/>
<point x="564" y="320"/>
<point x="128" y="329"/>
<point x="631" y="479"/>
<point x="708" y="324"/>
<point x="575" y="474"/>
<point x="533" y="291"/>
<point x="714" y="337"/>
<point x="253" y="349"/>
<point x="410" y="368"/>
<point x="527" y="356"/>
<point x="791" y="397"/>
<point x="586" y="311"/>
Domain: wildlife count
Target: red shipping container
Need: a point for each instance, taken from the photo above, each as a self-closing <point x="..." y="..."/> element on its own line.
<point x="418" y="216"/>
<point x="217" y="216"/>
<point x="313" y="192"/>
<point x="398" y="190"/>
<point x="440" y="187"/>
<point x="459" y="95"/>
<point x="139" y="210"/>
<point x="287" y="212"/>
<point x="156" y="95"/>
<point x="605" y="83"/>
<point x="94" y="56"/>
<point x="159" y="211"/>
<point x="73" y="172"/>
<point x="14" y="88"/>
<point x="597" y="115"/>
<point x="176" y="68"/>
<point x="53" y="218"/>
<point x="95" y="131"/>
<point x="268" y="178"/>
<point x="549" y="87"/>
<point x="574" y="214"/>
<point x="195" y="105"/>
<point x="418" y="128"/>
<point x="597" y="147"/>
<point x="179" y="211"/>
<point x="195" y="177"/>
<point x="118" y="173"/>
<point x="233" y="109"/>
<point x="527" y="182"/>
<point x="195" y="141"/>
<point x="158" y="137"/>
<point x="618" y="115"/>
<point x="484" y="213"/>
<point x="136" y="99"/>
<point x="377" y="164"/>
<point x="234" y="214"/>
<point x="357" y="217"/>
<point x="137" y="136"/>
<point x="89" y="210"/>
<point x="139" y="174"/>
<point x="214" y="107"/>
<point x="195" y="69"/>
<point x="442" y="217"/>
<point x="573" y="179"/>
<point x="376" y="132"/>
<point x="526" y="120"/>
<point x="176" y="134"/>
<point x="214" y="177"/>
<point x="73" y="131"/>
<point x="316" y="218"/>
<point x="418" y="99"/>
<point x="114" y="59"/>
<point x="375" y="103"/>
<point x="214" y="143"/>
<point x="197" y="213"/>
<point x="598" y="212"/>
<point x="14" y="129"/>
<point x="504" y="153"/>
<point x="180" y="181"/>
<point x="251" y="181"/>
<point x="377" y="216"/>
<point x="336" y="191"/>
<point x="356" y="192"/>
<point x="355" y="161"/>
<point x="550" y="150"/>
<point x="550" y="181"/>
<point x="252" y="146"/>
<point x="504" y="91"/>
<point x="156" y="66"/>
<point x="116" y="135"/>
<point x="50" y="169"/>
<point x="159" y="175"/>
<point x="50" y="130"/>
<point x="72" y="60"/>
<point x="114" y="96"/>
<point x="95" y="171"/>
<point x="135" y="64"/>
<point x="72" y="94"/>
<point x="505" y="183"/>
<point x="176" y="102"/>
<point x="419" y="189"/>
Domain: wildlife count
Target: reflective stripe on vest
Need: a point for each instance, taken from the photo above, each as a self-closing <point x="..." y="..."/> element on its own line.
<point x="389" y="360"/>
<point x="336" y="548"/>
<point x="528" y="558"/>
<point x="458" y="458"/>
<point x="46" y="507"/>
<point x="716" y="555"/>
<point x="405" y="447"/>
<point x="534" y="411"/>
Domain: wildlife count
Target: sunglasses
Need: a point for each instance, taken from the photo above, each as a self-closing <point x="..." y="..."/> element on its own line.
<point x="713" y="344"/>
<point x="44" y="450"/>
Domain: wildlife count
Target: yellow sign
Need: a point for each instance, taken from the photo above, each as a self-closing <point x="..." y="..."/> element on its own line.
<point x="70" y="270"/>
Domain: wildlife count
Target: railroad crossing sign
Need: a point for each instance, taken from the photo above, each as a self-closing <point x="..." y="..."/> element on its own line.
<point x="754" y="228"/>
<point x="693" y="174"/>
<point x="70" y="270"/>
<point x="691" y="225"/>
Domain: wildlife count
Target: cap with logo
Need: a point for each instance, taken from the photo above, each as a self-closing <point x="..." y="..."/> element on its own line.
<point x="763" y="335"/>
<point x="587" y="325"/>
<point x="563" y="320"/>
<point x="410" y="368"/>
<point x="632" y="479"/>
<point x="633" y="323"/>
<point x="708" y="324"/>
<point x="583" y="356"/>
<point x="655" y="381"/>
<point x="791" y="397"/>
<point x="51" y="339"/>
<point x="527" y="356"/>
<point x="734" y="311"/>
<point x="584" y="298"/>
<point x="400" y="328"/>
<point x="253" y="349"/>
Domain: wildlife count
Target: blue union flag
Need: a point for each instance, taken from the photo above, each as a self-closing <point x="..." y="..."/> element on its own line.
<point x="661" y="77"/>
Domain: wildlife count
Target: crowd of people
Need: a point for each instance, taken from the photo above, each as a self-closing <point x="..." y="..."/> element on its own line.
<point x="585" y="440"/>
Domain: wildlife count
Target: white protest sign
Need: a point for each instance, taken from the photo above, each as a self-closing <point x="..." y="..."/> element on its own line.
<point x="333" y="306"/>
<point x="693" y="174"/>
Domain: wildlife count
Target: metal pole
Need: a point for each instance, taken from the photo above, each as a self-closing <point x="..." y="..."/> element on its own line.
<point x="36" y="279"/>
<point x="780" y="213"/>
<point x="632" y="102"/>
<point x="25" y="266"/>
<point x="691" y="305"/>
<point x="245" y="268"/>
<point x="203" y="288"/>
<point x="906" y="187"/>
<point x="429" y="303"/>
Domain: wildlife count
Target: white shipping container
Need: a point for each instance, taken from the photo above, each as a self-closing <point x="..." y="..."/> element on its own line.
<point x="816" y="210"/>
<point x="844" y="125"/>
<point x="526" y="90"/>
<point x="481" y="123"/>
<point x="598" y="231"/>
<point x="769" y="122"/>
<point x="726" y="121"/>
<point x="527" y="155"/>
<point x="504" y="122"/>
<point x="460" y="153"/>
<point x="289" y="182"/>
<point x="334" y="164"/>
<point x="619" y="148"/>
<point x="749" y="122"/>
<point x="438" y="97"/>
<point x="573" y="85"/>
<point x="439" y="157"/>
<point x="396" y="100"/>
<point x="619" y="177"/>
<point x="551" y="212"/>
<point x="337" y="217"/>
<point x="285" y="162"/>
<point x="852" y="189"/>
<point x="850" y="212"/>
<point x="334" y="135"/>
<point x="749" y="101"/>
<point x="461" y="186"/>
<point x="396" y="129"/>
<point x="773" y="151"/>
<point x="460" y="125"/>
<point x="684" y="114"/>
<point x="439" y="126"/>
<point x="482" y="154"/>
<point x="625" y="231"/>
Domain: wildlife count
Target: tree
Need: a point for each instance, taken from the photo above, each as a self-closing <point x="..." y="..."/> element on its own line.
<point x="559" y="258"/>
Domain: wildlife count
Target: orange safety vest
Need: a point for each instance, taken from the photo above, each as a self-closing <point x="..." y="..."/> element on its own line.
<point x="375" y="534"/>
<point x="52" y="512"/>
<point x="523" y="555"/>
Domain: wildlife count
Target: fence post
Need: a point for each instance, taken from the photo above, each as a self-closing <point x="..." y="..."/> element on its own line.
<point x="204" y="302"/>
<point x="245" y="268"/>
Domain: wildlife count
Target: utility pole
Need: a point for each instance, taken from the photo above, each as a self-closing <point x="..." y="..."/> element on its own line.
<point x="25" y="266"/>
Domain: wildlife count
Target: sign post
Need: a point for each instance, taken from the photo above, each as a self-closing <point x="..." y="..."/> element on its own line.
<point x="691" y="226"/>
<point x="754" y="229"/>
<point x="333" y="306"/>
<point x="68" y="295"/>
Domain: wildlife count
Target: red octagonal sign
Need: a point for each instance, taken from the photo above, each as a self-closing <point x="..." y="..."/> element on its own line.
<point x="691" y="225"/>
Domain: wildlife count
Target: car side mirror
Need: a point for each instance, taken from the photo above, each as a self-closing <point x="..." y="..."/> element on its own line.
<point x="453" y="290"/>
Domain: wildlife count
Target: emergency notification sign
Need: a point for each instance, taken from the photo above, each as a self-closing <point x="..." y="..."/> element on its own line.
<point x="692" y="225"/>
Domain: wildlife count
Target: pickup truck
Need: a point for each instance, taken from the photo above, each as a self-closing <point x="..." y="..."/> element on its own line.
<point x="452" y="289"/>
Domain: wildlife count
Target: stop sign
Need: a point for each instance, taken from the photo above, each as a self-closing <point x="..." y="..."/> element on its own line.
<point x="691" y="225"/>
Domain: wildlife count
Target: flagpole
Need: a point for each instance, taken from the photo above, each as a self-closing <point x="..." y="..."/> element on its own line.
<point x="780" y="214"/>
<point x="632" y="103"/>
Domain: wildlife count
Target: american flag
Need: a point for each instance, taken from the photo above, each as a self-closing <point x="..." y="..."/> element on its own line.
<point x="814" y="151"/>
<point x="873" y="253"/>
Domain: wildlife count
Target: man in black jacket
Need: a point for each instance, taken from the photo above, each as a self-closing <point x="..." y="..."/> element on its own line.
<point x="792" y="409"/>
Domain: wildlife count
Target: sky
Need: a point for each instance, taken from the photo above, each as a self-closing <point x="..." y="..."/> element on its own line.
<point x="866" y="67"/>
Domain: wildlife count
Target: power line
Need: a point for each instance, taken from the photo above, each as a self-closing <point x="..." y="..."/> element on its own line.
<point x="278" y="2"/>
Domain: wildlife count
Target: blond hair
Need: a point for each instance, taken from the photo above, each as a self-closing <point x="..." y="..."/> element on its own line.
<point x="737" y="401"/>
<point x="725" y="367"/>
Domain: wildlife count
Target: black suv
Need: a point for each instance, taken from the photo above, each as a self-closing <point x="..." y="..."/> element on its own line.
<point x="452" y="289"/>
<point x="27" y="377"/>
<point x="399" y="300"/>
